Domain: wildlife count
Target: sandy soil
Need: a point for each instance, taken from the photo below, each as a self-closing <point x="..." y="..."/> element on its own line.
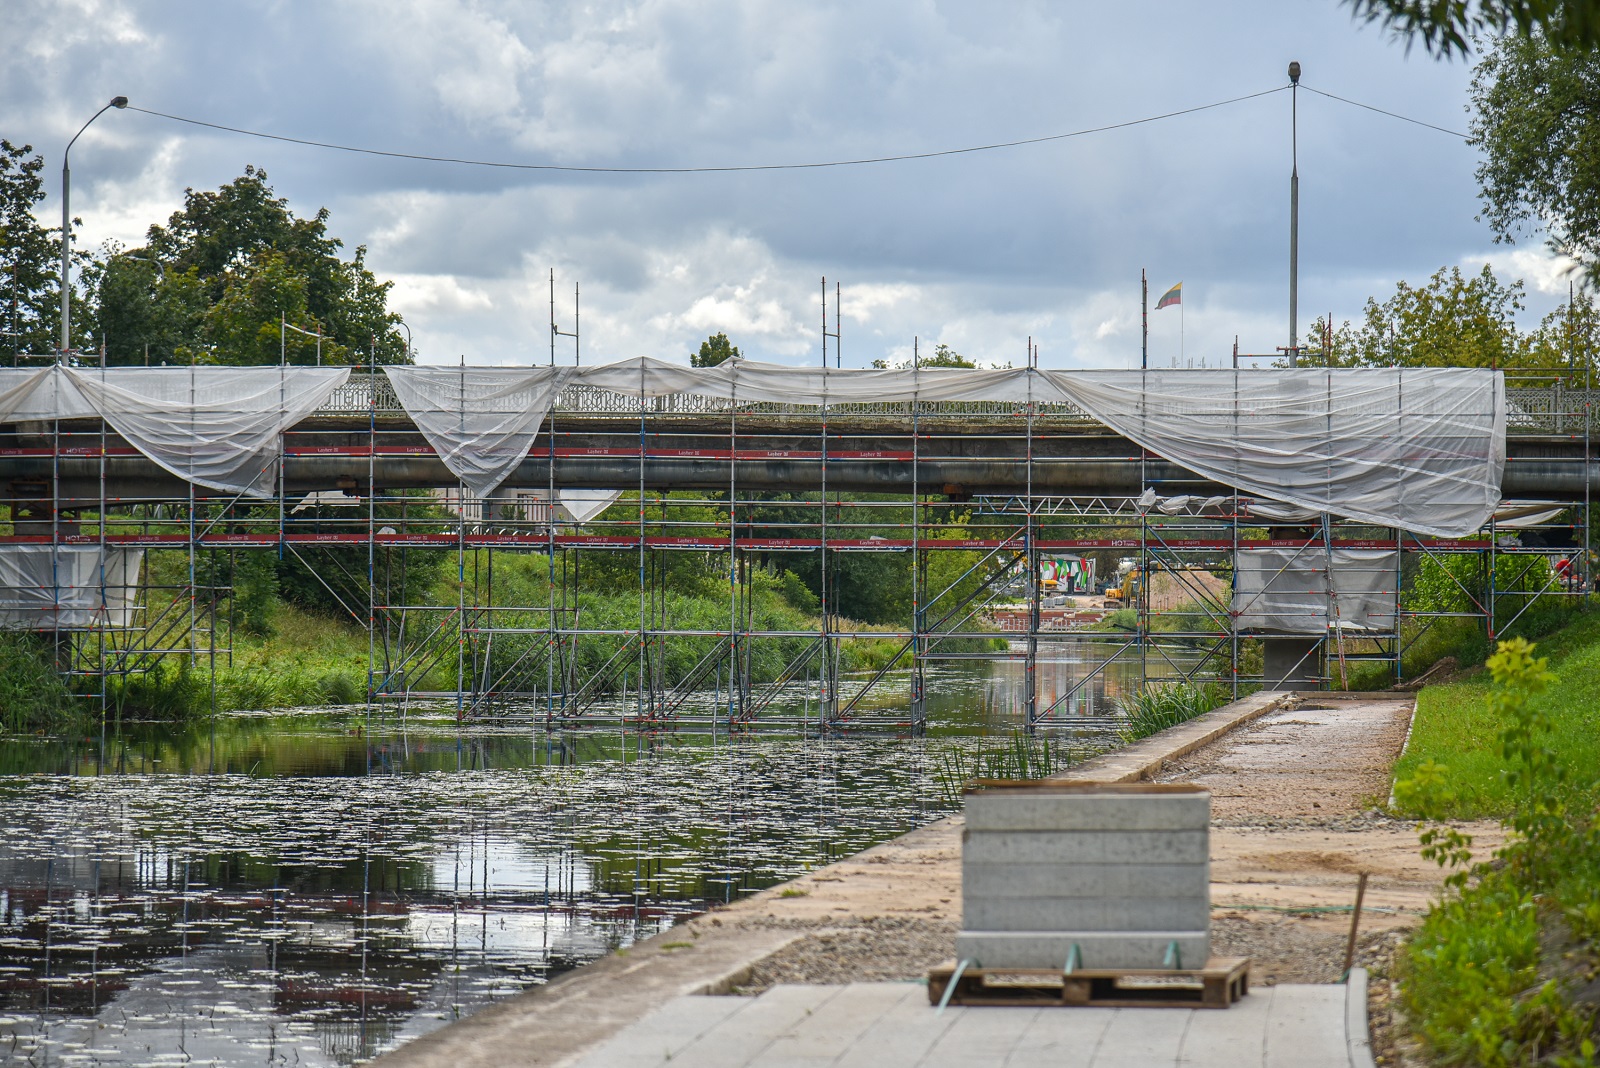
<point x="1293" y="825"/>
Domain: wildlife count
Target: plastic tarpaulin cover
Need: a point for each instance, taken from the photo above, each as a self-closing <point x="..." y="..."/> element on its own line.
<point x="582" y="505"/>
<point x="217" y="427"/>
<point x="753" y="381"/>
<point x="1418" y="448"/>
<point x="1422" y="448"/>
<point x="480" y="420"/>
<point x="1287" y="591"/>
<point x="60" y="589"/>
<point x="39" y="394"/>
<point x="213" y="426"/>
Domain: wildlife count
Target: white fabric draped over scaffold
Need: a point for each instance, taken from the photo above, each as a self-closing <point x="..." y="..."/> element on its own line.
<point x="217" y="427"/>
<point x="1418" y="448"/>
<point x="68" y="587"/>
<point x="1422" y="449"/>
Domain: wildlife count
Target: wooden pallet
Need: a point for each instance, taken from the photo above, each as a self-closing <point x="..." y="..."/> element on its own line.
<point x="1219" y="984"/>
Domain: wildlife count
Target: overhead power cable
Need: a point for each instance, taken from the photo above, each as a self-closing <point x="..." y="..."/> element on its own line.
<point x="1380" y="111"/>
<point x="710" y="170"/>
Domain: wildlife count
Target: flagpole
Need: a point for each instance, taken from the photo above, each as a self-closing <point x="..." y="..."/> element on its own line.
<point x="1180" y="329"/>
<point x="1144" y="320"/>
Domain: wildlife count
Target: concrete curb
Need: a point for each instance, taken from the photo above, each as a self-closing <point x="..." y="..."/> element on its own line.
<point x="1357" y="1033"/>
<point x="1145" y="758"/>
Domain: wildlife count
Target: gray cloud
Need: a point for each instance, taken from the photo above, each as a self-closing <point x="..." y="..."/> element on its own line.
<point x="980" y="251"/>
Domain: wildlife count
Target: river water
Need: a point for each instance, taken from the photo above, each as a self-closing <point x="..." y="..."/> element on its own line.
<point x="315" y="887"/>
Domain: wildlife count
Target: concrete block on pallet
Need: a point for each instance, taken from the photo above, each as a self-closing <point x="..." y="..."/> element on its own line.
<point x="1045" y="811"/>
<point x="1097" y="949"/>
<point x="1086" y="847"/>
<point x="1085" y="913"/>
<point x="984" y="880"/>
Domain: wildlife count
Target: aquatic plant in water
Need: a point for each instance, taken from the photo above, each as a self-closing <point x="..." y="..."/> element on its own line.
<point x="1161" y="705"/>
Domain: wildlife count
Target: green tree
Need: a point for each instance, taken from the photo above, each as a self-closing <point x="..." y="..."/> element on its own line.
<point x="714" y="350"/>
<point x="217" y="281"/>
<point x="943" y="356"/>
<point x="244" y="324"/>
<point x="1455" y="320"/>
<point x="1536" y="122"/>
<point x="146" y="314"/>
<point x="29" y="256"/>
<point x="1447" y="27"/>
<point x="1569" y="339"/>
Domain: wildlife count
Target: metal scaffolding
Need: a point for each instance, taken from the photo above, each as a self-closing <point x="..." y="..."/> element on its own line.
<point x="749" y="490"/>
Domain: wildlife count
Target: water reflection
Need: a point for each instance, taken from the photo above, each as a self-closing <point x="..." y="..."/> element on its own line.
<point x="317" y="887"/>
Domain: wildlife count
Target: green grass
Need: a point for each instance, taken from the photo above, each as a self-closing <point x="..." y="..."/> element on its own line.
<point x="1020" y="756"/>
<point x="1454" y="727"/>
<point x="1502" y="971"/>
<point x="1162" y="705"/>
<point x="309" y="659"/>
<point x="32" y="695"/>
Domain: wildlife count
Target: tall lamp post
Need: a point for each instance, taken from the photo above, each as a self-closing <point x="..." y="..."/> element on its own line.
<point x="1294" y="213"/>
<point x="66" y="227"/>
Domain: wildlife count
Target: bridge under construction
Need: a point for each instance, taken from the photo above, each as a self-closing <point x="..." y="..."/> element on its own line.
<point x="1314" y="496"/>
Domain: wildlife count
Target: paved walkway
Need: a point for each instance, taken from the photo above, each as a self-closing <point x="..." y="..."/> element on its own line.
<point x="891" y="1025"/>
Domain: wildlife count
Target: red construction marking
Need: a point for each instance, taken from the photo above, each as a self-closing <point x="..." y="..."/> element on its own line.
<point x="711" y="542"/>
<point x="360" y="450"/>
<point x="73" y="450"/>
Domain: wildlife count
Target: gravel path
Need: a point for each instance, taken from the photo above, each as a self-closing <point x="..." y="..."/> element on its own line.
<point x="875" y="950"/>
<point x="1294" y="823"/>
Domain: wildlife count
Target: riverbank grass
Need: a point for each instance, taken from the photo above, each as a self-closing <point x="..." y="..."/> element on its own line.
<point x="1456" y="729"/>
<point x="1166" y="704"/>
<point x="1503" y="971"/>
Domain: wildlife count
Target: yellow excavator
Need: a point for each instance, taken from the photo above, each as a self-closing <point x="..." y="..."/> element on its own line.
<point x="1126" y="590"/>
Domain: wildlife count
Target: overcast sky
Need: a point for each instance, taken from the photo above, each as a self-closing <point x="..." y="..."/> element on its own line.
<point x="979" y="251"/>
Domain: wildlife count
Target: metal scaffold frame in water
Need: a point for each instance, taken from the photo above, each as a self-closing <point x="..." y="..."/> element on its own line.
<point x="701" y="476"/>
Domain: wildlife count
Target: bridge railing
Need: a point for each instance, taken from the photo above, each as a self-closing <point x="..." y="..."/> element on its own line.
<point x="1531" y="409"/>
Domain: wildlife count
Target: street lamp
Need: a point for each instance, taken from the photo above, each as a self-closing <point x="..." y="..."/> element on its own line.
<point x="66" y="227"/>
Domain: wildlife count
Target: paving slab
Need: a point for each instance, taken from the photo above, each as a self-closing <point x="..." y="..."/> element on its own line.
<point x="1062" y="1039"/>
<point x="891" y="1025"/>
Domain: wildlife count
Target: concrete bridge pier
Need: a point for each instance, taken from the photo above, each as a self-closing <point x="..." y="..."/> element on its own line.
<point x="1291" y="663"/>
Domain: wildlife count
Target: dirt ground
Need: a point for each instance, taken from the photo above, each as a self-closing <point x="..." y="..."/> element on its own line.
<point x="1294" y="823"/>
<point x="1295" y="802"/>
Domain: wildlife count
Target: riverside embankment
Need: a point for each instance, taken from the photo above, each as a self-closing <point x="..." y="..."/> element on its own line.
<point x="1294" y="782"/>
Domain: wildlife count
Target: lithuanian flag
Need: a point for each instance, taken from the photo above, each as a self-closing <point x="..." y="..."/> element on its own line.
<point x="1171" y="296"/>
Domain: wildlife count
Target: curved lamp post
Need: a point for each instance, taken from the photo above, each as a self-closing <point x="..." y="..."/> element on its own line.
<point x="66" y="227"/>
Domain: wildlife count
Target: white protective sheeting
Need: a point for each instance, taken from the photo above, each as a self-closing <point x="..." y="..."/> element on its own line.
<point x="1422" y="449"/>
<point x="1418" y="448"/>
<point x="1528" y="514"/>
<point x="217" y="427"/>
<point x="480" y="420"/>
<point x="213" y="426"/>
<point x="42" y="393"/>
<point x="755" y="382"/>
<point x="582" y="505"/>
<point x="61" y="589"/>
<point x="1312" y="590"/>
